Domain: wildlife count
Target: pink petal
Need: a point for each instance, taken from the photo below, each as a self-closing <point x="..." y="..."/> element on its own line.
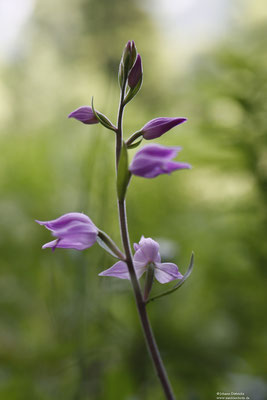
<point x="66" y="219"/>
<point x="148" y="252"/>
<point x="118" y="270"/>
<point x="140" y="268"/>
<point x="167" y="272"/>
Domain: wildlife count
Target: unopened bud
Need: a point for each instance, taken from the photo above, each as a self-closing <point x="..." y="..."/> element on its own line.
<point x="136" y="73"/>
<point x="127" y="60"/>
<point x="133" y="54"/>
<point x="84" y="114"/>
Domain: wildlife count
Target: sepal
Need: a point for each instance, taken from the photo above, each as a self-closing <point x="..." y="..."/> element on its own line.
<point x="134" y="140"/>
<point x="121" y="75"/>
<point x="135" y="143"/>
<point x="133" y="92"/>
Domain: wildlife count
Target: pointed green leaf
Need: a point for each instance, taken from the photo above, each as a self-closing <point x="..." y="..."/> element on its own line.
<point x="121" y="75"/>
<point x="103" y="119"/>
<point x="132" y="92"/>
<point x="124" y="174"/>
<point x="135" y="144"/>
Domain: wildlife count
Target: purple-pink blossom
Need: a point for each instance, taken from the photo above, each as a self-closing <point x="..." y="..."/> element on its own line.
<point x="84" y="114"/>
<point x="158" y="126"/>
<point x="146" y="253"/>
<point x="72" y="230"/>
<point x="153" y="160"/>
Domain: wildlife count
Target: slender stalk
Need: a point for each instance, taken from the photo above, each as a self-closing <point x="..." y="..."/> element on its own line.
<point x="119" y="124"/>
<point x="140" y="302"/>
<point x="141" y="306"/>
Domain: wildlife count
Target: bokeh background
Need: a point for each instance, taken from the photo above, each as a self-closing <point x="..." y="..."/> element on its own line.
<point x="66" y="333"/>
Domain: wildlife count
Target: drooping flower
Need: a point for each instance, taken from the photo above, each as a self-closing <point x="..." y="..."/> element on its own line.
<point x="136" y="73"/>
<point x="72" y="230"/>
<point x="153" y="160"/>
<point x="158" y="126"/>
<point x="146" y="253"/>
<point x="84" y="114"/>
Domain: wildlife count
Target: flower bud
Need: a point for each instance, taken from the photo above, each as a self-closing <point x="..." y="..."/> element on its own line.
<point x="127" y="60"/>
<point x="136" y="73"/>
<point x="129" y="54"/>
<point x="84" y="114"/>
<point x="158" y="126"/>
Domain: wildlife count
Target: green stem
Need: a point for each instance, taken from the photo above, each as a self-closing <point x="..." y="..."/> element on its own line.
<point x="119" y="124"/>
<point x="141" y="307"/>
<point x="140" y="302"/>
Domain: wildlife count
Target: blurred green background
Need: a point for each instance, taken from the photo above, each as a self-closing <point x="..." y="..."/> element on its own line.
<point x="66" y="333"/>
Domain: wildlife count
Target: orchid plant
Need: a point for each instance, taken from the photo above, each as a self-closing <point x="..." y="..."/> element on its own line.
<point x="76" y="230"/>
